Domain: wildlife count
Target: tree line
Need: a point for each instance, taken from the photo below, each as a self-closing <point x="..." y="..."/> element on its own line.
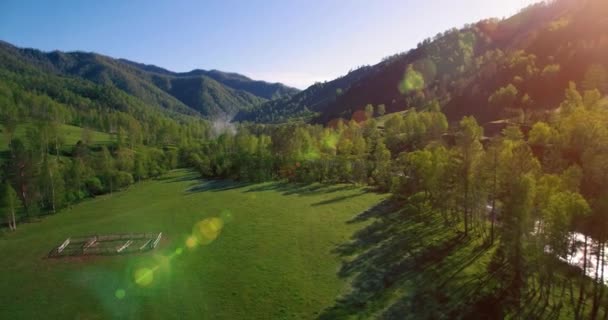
<point x="526" y="192"/>
<point x="40" y="173"/>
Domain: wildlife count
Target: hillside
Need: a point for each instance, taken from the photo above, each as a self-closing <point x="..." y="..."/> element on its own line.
<point x="525" y="62"/>
<point x="208" y="93"/>
<point x="304" y="104"/>
<point x="240" y="82"/>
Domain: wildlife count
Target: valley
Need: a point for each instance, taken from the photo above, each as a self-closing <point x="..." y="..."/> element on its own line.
<point x="465" y="177"/>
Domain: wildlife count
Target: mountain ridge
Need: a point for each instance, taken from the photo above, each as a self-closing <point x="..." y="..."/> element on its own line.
<point x="493" y="69"/>
<point x="534" y="54"/>
<point x="208" y="93"/>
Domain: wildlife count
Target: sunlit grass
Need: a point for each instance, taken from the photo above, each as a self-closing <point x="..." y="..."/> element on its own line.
<point x="229" y="251"/>
<point x="71" y="135"/>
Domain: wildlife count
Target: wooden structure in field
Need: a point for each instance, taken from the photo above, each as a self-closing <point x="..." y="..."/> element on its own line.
<point x="107" y="244"/>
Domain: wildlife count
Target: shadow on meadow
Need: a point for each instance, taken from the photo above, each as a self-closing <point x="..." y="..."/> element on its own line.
<point x="409" y="265"/>
<point x="216" y="186"/>
<point x="172" y="177"/>
<point x="303" y="189"/>
<point x="403" y="263"/>
<point x="285" y="188"/>
<point x="339" y="199"/>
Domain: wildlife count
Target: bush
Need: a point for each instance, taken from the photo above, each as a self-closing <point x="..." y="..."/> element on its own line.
<point x="94" y="186"/>
<point x="123" y="179"/>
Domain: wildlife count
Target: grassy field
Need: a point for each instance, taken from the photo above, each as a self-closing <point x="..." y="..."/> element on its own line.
<point x="261" y="251"/>
<point x="72" y="135"/>
<point x="272" y="259"/>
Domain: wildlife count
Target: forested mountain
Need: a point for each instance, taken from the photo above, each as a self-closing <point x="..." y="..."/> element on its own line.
<point x="491" y="69"/>
<point x="304" y="104"/>
<point x="209" y="93"/>
<point x="240" y="82"/>
<point x="235" y="81"/>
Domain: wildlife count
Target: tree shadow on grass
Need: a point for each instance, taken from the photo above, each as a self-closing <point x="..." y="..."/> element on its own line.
<point x="409" y="265"/>
<point x="285" y="188"/>
<point x="217" y="186"/>
<point x="170" y="178"/>
<point x="301" y="189"/>
<point x="338" y="199"/>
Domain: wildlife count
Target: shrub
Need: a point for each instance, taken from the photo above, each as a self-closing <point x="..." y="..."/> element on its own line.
<point x="94" y="186"/>
<point x="123" y="179"/>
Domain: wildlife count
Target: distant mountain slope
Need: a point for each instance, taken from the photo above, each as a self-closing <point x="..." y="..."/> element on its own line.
<point x="211" y="97"/>
<point x="491" y="69"/>
<point x="194" y="92"/>
<point x="235" y="81"/>
<point x="92" y="67"/>
<point x="259" y="88"/>
<point x="305" y="104"/>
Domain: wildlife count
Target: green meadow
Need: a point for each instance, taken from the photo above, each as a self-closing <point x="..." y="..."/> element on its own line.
<point x="254" y="251"/>
<point x="71" y="135"/>
<point x="274" y="256"/>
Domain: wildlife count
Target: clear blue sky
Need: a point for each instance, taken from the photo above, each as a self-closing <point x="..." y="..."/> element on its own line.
<point x="292" y="41"/>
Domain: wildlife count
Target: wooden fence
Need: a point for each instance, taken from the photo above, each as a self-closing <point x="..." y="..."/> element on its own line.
<point x="108" y="244"/>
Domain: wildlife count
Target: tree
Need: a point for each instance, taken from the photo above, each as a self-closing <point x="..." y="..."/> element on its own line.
<point x="491" y="168"/>
<point x="369" y="111"/>
<point x="563" y="211"/>
<point x="106" y="168"/>
<point x="134" y="133"/>
<point x="592" y="99"/>
<point x="550" y="71"/>
<point x="427" y="172"/>
<point x="435" y="125"/>
<point x="517" y="192"/>
<point x="504" y="97"/>
<point x="75" y="178"/>
<point x="547" y="186"/>
<point x="123" y="179"/>
<point x="594" y="185"/>
<point x="139" y="170"/>
<point x="381" y="157"/>
<point x="9" y="202"/>
<point x="518" y="204"/>
<point x="573" y="99"/>
<point x="412" y="81"/>
<point x="596" y="77"/>
<point x="599" y="225"/>
<point x="9" y="118"/>
<point x="56" y="119"/>
<point x="470" y="151"/>
<point x="381" y="109"/>
<point x="541" y="134"/>
<point x="87" y="136"/>
<point x="51" y="183"/>
<point x="22" y="172"/>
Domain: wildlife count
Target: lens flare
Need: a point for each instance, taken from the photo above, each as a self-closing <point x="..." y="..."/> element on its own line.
<point x="191" y="242"/>
<point x="144" y="277"/>
<point x="120" y="294"/>
<point x="226" y="216"/>
<point x="164" y="262"/>
<point x="207" y="230"/>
